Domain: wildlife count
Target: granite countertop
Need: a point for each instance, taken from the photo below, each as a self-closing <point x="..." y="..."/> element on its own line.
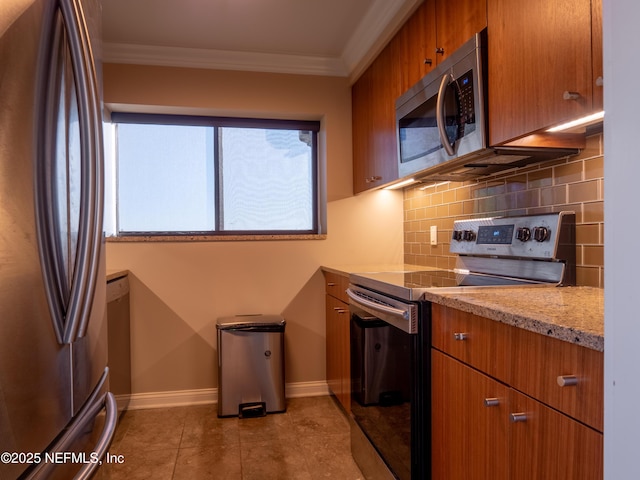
<point x="572" y="314"/>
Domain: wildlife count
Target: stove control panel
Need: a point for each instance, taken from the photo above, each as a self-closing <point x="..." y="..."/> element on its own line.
<point x="531" y="236"/>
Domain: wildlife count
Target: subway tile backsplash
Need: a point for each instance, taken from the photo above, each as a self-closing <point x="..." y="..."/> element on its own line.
<point x="572" y="183"/>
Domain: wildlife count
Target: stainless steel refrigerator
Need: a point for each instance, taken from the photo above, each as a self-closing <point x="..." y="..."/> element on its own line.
<point x="57" y="417"/>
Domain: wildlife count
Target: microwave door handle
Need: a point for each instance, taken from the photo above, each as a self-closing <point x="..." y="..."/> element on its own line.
<point x="446" y="79"/>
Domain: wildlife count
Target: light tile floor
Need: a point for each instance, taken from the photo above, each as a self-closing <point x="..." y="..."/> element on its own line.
<point x="309" y="441"/>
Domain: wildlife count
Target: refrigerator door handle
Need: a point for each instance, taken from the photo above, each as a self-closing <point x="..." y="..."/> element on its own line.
<point x="89" y="237"/>
<point x="90" y="411"/>
<point x="95" y="185"/>
<point x="87" y="414"/>
<point x="100" y="449"/>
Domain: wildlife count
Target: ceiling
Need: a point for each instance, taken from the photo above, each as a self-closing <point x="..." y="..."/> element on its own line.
<point x="312" y="37"/>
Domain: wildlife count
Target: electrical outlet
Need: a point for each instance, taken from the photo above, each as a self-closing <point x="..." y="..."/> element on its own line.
<point x="434" y="235"/>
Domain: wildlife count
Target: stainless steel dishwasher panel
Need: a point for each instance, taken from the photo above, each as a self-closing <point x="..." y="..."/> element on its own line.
<point x="250" y="365"/>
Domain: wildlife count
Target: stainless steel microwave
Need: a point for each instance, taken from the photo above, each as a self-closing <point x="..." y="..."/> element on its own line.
<point x="442" y="117"/>
<point x="442" y="124"/>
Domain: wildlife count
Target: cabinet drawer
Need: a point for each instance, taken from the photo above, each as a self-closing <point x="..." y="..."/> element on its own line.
<point x="546" y="444"/>
<point x="539" y="361"/>
<point x="482" y="343"/>
<point x="336" y="285"/>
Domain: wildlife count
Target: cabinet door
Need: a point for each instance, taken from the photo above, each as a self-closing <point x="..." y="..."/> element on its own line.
<point x="469" y="423"/>
<point x="537" y="51"/>
<point x="362" y="131"/>
<point x="546" y="444"/>
<point x="596" y="41"/>
<point x="417" y="45"/>
<point x="456" y="22"/>
<point x="338" y="348"/>
<point x="374" y="122"/>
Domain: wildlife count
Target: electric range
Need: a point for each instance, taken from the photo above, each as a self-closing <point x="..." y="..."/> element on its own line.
<point x="391" y="331"/>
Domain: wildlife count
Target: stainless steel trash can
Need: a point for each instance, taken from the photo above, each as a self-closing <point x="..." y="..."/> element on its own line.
<point x="250" y="365"/>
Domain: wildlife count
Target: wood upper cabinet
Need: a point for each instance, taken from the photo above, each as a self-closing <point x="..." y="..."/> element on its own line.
<point x="501" y="422"/>
<point x="409" y="56"/>
<point x="416" y="45"/>
<point x="456" y="22"/>
<point x="596" y="40"/>
<point x="373" y="130"/>
<point x="538" y="51"/>
<point x="374" y="95"/>
<point x="338" y="339"/>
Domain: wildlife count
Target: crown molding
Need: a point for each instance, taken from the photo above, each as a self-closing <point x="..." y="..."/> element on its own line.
<point x="222" y="60"/>
<point x="378" y="25"/>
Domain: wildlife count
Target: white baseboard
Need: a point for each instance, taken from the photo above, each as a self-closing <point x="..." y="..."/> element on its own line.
<point x="205" y="396"/>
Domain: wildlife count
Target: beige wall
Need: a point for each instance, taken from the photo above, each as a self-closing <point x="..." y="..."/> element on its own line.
<point x="179" y="289"/>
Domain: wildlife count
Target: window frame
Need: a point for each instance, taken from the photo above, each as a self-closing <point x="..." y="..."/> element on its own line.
<point x="317" y="229"/>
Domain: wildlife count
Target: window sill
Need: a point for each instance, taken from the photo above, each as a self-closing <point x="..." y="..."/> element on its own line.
<point x="212" y="238"/>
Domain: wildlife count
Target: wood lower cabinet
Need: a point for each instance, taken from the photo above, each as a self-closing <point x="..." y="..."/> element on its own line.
<point x="547" y="444"/>
<point x="338" y="356"/>
<point x="519" y="426"/>
<point x="469" y="438"/>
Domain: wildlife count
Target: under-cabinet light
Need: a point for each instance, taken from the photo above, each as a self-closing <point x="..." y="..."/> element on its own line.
<point x="401" y="184"/>
<point x="579" y="122"/>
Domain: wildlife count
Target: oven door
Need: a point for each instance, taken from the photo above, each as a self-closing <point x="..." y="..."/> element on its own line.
<point x="390" y="381"/>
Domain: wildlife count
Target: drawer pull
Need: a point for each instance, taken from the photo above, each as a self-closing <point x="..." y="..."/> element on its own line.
<point x="331" y="284"/>
<point x="567" y="380"/>
<point x="518" y="417"/>
<point x="571" y="95"/>
<point x="491" y="402"/>
<point x="460" y="336"/>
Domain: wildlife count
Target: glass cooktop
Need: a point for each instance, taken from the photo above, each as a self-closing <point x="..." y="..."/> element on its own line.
<point x="408" y="285"/>
<point x="412" y="285"/>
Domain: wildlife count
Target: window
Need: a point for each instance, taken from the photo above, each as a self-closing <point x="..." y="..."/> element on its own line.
<point x="185" y="175"/>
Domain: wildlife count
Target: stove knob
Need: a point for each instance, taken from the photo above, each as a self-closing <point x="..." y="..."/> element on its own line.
<point x="540" y="234"/>
<point x="523" y="234"/>
<point x="457" y="235"/>
<point x="468" y="235"/>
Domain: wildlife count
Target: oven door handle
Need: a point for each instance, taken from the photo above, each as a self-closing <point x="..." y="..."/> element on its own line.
<point x="403" y="318"/>
<point x="378" y="306"/>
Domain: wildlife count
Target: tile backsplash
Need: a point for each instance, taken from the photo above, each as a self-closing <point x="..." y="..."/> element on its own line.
<point x="571" y="183"/>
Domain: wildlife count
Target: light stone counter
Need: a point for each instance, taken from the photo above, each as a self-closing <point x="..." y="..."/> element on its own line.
<point x="572" y="314"/>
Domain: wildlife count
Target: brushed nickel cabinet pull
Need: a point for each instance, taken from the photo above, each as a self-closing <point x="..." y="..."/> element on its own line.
<point x="570" y="95"/>
<point x="373" y="179"/>
<point x="428" y="61"/>
<point x="567" y="380"/>
<point x="518" y="417"/>
<point x="460" y="336"/>
<point x="440" y="50"/>
<point x="491" y="402"/>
